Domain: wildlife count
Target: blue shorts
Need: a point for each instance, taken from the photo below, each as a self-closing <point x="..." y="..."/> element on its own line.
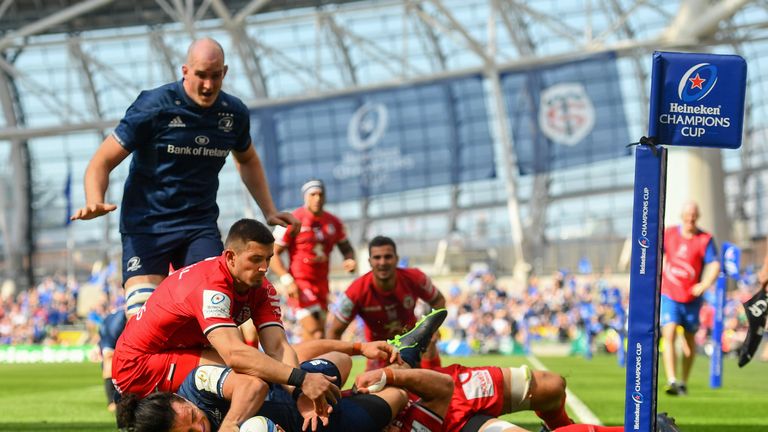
<point x="151" y="254"/>
<point x="684" y="314"/>
<point x="111" y="329"/>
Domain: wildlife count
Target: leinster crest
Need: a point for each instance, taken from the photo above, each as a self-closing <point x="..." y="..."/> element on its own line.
<point x="566" y="114"/>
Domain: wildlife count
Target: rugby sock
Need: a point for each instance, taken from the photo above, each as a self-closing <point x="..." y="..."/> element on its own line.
<point x="556" y="418"/>
<point x="589" y="428"/>
<point x="432" y="362"/>
<point x="109" y="389"/>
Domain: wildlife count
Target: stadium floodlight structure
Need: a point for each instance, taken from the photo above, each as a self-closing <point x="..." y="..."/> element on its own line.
<point x="70" y="68"/>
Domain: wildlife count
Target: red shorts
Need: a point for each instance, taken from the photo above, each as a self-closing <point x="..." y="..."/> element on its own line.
<point x="311" y="293"/>
<point x="476" y="390"/>
<point x="143" y="374"/>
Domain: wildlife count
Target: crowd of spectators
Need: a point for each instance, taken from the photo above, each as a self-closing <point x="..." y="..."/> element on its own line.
<point x="483" y="314"/>
<point x="48" y="313"/>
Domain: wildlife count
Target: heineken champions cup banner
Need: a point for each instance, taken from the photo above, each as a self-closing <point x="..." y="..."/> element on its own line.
<point x="698" y="99"/>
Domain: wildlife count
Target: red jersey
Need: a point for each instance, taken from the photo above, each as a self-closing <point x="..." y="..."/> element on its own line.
<point x="684" y="260"/>
<point x="416" y="418"/>
<point x="385" y="314"/>
<point x="476" y="390"/>
<point x="184" y="308"/>
<point x="310" y="251"/>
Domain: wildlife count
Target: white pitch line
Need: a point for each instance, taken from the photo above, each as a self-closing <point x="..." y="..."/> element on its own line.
<point x="584" y="414"/>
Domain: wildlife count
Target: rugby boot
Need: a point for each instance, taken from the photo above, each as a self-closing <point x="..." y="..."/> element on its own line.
<point x="665" y="423"/>
<point x="413" y="343"/>
<point x="756" y="310"/>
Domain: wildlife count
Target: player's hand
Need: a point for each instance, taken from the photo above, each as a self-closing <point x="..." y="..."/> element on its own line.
<point x="320" y="389"/>
<point x="285" y="219"/>
<point x="381" y="350"/>
<point x="698" y="289"/>
<point x="372" y="378"/>
<point x="307" y="410"/>
<point x="91" y="211"/>
<point x="292" y="290"/>
<point x="349" y="265"/>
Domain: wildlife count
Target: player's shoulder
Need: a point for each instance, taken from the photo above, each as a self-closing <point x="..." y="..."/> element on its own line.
<point x="233" y="103"/>
<point x="360" y="285"/>
<point x="412" y="273"/>
<point x="158" y="98"/>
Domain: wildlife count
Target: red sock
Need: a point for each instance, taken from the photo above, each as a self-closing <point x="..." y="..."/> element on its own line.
<point x="589" y="428"/>
<point x="431" y="363"/>
<point x="556" y="418"/>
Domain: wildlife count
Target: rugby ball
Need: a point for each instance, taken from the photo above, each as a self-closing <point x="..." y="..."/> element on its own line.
<point x="258" y="424"/>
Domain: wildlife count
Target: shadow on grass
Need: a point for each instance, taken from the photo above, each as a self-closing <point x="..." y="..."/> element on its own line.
<point x="47" y="427"/>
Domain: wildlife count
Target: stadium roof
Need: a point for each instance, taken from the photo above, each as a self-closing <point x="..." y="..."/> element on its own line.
<point x="67" y="16"/>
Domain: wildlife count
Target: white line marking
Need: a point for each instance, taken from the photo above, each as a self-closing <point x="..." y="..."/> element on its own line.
<point x="584" y="414"/>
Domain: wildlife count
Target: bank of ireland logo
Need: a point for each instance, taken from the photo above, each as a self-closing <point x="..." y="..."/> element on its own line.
<point x="637" y="397"/>
<point x="202" y="140"/>
<point x="566" y="113"/>
<point x="697" y="82"/>
<point x="367" y="126"/>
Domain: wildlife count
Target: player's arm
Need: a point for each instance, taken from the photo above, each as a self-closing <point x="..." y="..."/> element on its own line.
<point x="281" y="270"/>
<point x="372" y="350"/>
<point x="438" y="302"/>
<point x="246" y="395"/>
<point x="710" y="272"/>
<point x="434" y="388"/>
<point x="345" y="247"/>
<point x="109" y="155"/>
<point x="254" y="178"/>
<point x="335" y="327"/>
<point x="276" y="345"/>
<point x="250" y="361"/>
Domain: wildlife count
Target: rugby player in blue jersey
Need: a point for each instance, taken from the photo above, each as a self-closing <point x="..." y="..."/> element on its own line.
<point x="180" y="135"/>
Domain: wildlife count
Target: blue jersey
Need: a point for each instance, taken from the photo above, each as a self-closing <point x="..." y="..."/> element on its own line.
<point x="204" y="388"/>
<point x="111" y="329"/>
<point x="178" y="150"/>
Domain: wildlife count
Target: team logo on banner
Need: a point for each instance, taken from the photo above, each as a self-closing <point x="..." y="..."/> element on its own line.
<point x="566" y="114"/>
<point x="367" y="126"/>
<point x="696" y="87"/>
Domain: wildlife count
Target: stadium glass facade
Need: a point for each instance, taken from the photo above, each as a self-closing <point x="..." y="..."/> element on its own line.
<point x="72" y="87"/>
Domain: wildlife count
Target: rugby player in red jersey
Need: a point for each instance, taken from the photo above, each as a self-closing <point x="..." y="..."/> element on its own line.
<point x="191" y="319"/>
<point x="385" y="297"/>
<point x="470" y="399"/>
<point x="309" y="252"/>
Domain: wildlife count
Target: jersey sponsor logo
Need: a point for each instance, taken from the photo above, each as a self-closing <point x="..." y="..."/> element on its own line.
<point x="134" y="263"/>
<point x="216" y="304"/>
<point x="207" y="378"/>
<point x="176" y="122"/>
<point x="408" y="302"/>
<point x="566" y="113"/>
<point x="477" y="384"/>
<point x="202" y="140"/>
<point x="418" y="427"/>
<point x="226" y="123"/>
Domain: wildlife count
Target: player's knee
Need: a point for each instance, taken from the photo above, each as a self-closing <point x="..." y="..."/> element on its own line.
<point x="496" y="425"/>
<point x="549" y="391"/>
<point x="136" y="295"/>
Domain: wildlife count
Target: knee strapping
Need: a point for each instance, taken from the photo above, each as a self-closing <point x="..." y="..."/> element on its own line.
<point x="136" y="295"/>
<point x="520" y="388"/>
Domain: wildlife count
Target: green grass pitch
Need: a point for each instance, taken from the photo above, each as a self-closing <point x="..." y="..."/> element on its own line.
<point x="70" y="397"/>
